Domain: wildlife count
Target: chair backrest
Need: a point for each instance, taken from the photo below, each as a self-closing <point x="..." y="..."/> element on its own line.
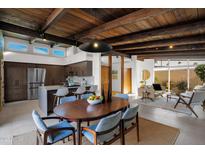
<point x="198" y="97"/>
<point x="62" y="91"/>
<point x="157" y="86"/>
<point x="130" y="112"/>
<point x="81" y="90"/>
<point x="123" y="96"/>
<point x="68" y="99"/>
<point x="108" y="122"/>
<point x="93" y="88"/>
<point x="85" y="96"/>
<point x="41" y="126"/>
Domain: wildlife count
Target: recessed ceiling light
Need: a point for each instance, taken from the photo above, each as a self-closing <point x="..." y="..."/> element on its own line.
<point x="171" y="46"/>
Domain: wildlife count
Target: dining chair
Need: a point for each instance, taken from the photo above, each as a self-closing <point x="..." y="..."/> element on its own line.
<point x="81" y="90"/>
<point x="103" y="132"/>
<point x="54" y="133"/>
<point x="130" y="120"/>
<point x="123" y="96"/>
<point x="93" y="89"/>
<point x="61" y="92"/>
<point x="68" y="99"/>
<point x="191" y="100"/>
<point x="86" y="96"/>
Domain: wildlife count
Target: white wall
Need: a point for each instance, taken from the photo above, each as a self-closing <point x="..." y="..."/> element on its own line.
<point x="116" y="83"/>
<point x="147" y="64"/>
<point x="137" y="68"/>
<point x="31" y="58"/>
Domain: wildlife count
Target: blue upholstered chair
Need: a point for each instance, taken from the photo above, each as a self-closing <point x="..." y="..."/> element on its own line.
<point x="54" y="133"/>
<point x="123" y="96"/>
<point x="85" y="96"/>
<point x="68" y="99"/>
<point x="130" y="120"/>
<point x="104" y="131"/>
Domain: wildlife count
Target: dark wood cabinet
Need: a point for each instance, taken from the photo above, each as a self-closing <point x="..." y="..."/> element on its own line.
<point x="15" y="82"/>
<point x="16" y="76"/>
<point x="79" y="69"/>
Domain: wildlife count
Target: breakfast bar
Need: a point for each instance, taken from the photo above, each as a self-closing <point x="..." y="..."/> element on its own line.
<point x="46" y="96"/>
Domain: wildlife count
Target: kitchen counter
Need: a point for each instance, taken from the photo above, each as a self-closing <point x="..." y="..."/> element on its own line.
<point x="46" y="96"/>
<point x="55" y="87"/>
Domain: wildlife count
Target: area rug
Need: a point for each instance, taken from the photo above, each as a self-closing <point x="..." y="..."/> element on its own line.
<point x="161" y="102"/>
<point x="151" y="133"/>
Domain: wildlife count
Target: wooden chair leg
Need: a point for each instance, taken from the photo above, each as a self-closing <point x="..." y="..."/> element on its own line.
<point x="177" y="103"/>
<point x="37" y="139"/>
<point x="74" y="140"/>
<point x="192" y="110"/>
<point x="122" y="134"/>
<point x="137" y="127"/>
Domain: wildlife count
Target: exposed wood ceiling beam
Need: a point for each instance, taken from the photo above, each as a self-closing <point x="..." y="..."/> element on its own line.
<point x="29" y="32"/>
<point x="176" y="55"/>
<point x="168" y="56"/>
<point x="133" y="17"/>
<point x="173" y="52"/>
<point x="194" y="27"/>
<point x="167" y="49"/>
<point x="52" y="18"/>
<point x="115" y="53"/>
<point x="85" y="16"/>
<point x="163" y="43"/>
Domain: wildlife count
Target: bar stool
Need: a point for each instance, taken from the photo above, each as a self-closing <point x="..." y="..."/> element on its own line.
<point x="61" y="92"/>
<point x="81" y="90"/>
<point x="92" y="89"/>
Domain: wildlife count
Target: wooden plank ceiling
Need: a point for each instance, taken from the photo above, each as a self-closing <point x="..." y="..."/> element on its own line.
<point x="147" y="33"/>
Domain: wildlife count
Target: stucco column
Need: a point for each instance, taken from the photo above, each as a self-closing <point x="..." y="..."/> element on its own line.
<point x="134" y="74"/>
<point x="97" y="71"/>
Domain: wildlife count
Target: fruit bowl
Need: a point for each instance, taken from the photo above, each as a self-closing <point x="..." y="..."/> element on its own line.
<point x="94" y="99"/>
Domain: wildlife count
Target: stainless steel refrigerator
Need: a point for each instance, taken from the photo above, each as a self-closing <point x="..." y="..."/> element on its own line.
<point x="36" y="78"/>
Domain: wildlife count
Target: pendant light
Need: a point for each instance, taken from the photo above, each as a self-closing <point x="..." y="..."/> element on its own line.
<point x="95" y="46"/>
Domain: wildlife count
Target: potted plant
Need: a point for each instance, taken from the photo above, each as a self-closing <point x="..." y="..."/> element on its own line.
<point x="200" y="72"/>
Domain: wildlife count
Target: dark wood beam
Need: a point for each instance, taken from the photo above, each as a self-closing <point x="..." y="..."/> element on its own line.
<point x="115" y="53"/>
<point x="52" y="18"/>
<point x="122" y="73"/>
<point x="171" y="56"/>
<point x="133" y="17"/>
<point x="85" y="16"/>
<point x="197" y="39"/>
<point x="165" y="49"/>
<point x="173" y="52"/>
<point x="195" y="27"/>
<point x="110" y="74"/>
<point x="168" y="56"/>
<point x="29" y="32"/>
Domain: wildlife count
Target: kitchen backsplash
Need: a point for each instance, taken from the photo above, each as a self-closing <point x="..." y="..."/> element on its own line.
<point x="77" y="79"/>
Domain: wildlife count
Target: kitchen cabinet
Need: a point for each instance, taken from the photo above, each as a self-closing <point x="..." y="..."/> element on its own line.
<point x="15" y="82"/>
<point x="79" y="69"/>
<point x="16" y="78"/>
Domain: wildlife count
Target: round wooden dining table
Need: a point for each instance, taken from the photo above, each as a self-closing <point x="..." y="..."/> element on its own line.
<point x="81" y="111"/>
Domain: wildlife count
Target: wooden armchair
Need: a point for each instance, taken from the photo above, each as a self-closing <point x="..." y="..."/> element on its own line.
<point x="104" y="132"/>
<point x="129" y="121"/>
<point x="54" y="133"/>
<point x="189" y="100"/>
